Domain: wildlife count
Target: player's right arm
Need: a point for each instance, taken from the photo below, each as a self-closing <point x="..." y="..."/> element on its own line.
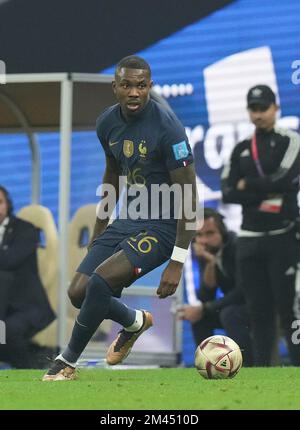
<point x="110" y="177"/>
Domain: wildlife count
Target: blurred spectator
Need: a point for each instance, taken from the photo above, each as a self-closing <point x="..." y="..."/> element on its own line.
<point x="263" y="176"/>
<point x="24" y="306"/>
<point x="214" y="248"/>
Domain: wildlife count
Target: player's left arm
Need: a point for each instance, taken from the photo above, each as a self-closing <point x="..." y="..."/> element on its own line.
<point x="186" y="227"/>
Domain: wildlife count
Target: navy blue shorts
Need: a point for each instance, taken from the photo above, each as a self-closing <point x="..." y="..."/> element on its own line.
<point x="147" y="245"/>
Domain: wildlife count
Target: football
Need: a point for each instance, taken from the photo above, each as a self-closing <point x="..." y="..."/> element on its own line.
<point x="218" y="357"/>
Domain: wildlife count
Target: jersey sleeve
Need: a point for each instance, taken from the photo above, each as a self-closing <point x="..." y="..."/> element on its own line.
<point x="100" y="129"/>
<point x="175" y="146"/>
<point x="288" y="171"/>
<point x="230" y="177"/>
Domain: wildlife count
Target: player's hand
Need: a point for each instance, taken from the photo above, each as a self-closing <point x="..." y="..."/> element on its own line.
<point x="169" y="279"/>
<point x="190" y="313"/>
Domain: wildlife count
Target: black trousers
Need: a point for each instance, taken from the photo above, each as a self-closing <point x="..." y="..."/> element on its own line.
<point x="17" y="349"/>
<point x="234" y="320"/>
<point x="266" y="273"/>
<point x="7" y="280"/>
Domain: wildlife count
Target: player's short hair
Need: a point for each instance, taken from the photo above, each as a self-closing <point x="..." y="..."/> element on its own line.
<point x="10" y="207"/>
<point x="133" y="62"/>
<point x="219" y="221"/>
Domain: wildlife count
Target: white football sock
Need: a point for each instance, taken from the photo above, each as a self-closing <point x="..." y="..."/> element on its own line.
<point x="138" y="322"/>
<point x="60" y="357"/>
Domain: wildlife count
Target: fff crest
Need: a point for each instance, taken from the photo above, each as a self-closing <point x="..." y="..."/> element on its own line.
<point x="143" y="149"/>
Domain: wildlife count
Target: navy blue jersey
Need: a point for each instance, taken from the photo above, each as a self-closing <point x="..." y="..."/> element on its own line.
<point x="146" y="149"/>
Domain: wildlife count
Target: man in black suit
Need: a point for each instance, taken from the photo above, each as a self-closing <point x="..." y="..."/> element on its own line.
<point x="24" y="305"/>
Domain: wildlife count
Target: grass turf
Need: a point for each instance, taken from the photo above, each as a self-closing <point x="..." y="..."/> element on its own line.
<point x="156" y="389"/>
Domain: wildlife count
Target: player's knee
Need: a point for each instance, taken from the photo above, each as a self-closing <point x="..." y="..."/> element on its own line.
<point x="74" y="300"/>
<point x="76" y="294"/>
<point x="77" y="289"/>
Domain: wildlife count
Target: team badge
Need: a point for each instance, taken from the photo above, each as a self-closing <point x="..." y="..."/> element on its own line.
<point x="128" y="148"/>
<point x="142" y="149"/>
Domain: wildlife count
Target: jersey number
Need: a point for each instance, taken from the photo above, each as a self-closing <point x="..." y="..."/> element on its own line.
<point x="143" y="245"/>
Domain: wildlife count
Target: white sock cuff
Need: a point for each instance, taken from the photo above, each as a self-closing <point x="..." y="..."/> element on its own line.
<point x="60" y="357"/>
<point x="138" y="322"/>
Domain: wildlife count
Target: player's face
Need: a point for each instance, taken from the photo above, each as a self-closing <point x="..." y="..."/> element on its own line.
<point x="209" y="236"/>
<point x="131" y="88"/>
<point x="263" y="119"/>
<point x="3" y="207"/>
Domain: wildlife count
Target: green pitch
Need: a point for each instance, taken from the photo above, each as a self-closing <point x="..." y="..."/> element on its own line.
<point x="175" y="389"/>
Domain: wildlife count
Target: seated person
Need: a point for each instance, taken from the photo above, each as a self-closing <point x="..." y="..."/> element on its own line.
<point x="214" y="248"/>
<point x="24" y="305"/>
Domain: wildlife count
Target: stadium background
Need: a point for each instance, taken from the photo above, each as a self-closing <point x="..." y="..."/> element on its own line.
<point x="203" y="60"/>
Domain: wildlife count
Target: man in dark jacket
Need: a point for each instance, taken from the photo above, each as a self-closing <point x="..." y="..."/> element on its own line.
<point x="214" y="248"/>
<point x="263" y="176"/>
<point x="24" y="305"/>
